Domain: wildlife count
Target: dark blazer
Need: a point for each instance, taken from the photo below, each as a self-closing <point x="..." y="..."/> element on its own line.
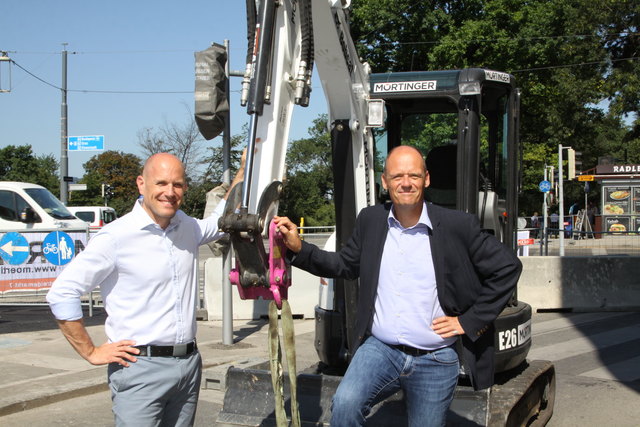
<point x="475" y="275"/>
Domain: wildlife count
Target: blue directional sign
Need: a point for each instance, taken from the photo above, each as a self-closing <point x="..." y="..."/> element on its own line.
<point x="544" y="186"/>
<point x="58" y="248"/>
<point x="85" y="143"/>
<point x="14" y="248"/>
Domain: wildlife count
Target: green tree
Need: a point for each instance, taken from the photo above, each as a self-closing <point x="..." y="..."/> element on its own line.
<point x="18" y="163"/>
<point x="195" y="199"/>
<point x="309" y="183"/>
<point x="114" y="168"/>
<point x="214" y="160"/>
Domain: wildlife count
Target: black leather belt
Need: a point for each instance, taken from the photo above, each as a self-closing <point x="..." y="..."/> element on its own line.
<point x="411" y="351"/>
<point x="167" y="350"/>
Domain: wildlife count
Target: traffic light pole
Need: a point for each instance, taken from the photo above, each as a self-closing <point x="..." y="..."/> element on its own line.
<point x="227" y="289"/>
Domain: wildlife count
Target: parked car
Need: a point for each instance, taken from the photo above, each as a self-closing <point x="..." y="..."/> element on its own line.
<point x="25" y="206"/>
<point x="96" y="216"/>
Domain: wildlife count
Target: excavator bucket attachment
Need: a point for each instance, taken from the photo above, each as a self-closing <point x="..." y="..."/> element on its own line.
<point x="525" y="399"/>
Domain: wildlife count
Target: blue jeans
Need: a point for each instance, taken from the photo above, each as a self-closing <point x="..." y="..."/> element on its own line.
<point x="377" y="371"/>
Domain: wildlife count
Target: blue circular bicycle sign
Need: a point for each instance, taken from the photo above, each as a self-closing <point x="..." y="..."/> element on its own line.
<point x="58" y="248"/>
<point x="14" y="248"/>
<point x="544" y="186"/>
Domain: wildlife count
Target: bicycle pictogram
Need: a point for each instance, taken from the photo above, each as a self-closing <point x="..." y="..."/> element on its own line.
<point x="50" y="248"/>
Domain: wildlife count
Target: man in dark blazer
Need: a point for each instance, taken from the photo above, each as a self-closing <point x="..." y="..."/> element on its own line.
<point x="429" y="276"/>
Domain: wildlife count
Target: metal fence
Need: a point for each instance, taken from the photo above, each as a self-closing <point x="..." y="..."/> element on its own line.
<point x="584" y="243"/>
<point x="35" y="295"/>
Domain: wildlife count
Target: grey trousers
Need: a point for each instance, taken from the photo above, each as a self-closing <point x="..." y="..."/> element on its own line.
<point x="156" y="391"/>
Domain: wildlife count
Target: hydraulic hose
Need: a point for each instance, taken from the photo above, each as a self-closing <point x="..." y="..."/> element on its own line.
<point x="251" y="38"/>
<point x="251" y="29"/>
<point x="303" y="78"/>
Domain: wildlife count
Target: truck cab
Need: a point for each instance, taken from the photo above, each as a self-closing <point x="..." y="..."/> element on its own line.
<point x="31" y="207"/>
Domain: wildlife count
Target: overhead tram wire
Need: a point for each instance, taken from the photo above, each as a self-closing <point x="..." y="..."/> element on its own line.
<point x="99" y="91"/>
<point x="550" y="67"/>
<point x="34" y="76"/>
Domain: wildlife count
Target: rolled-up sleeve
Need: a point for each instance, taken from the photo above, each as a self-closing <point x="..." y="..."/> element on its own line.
<point x="83" y="274"/>
<point x="209" y="226"/>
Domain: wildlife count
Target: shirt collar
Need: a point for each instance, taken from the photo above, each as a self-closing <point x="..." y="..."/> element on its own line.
<point x="424" y="219"/>
<point x="143" y="220"/>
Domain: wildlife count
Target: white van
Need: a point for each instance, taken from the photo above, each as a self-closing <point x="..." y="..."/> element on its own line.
<point x="25" y="206"/>
<point x="96" y="216"/>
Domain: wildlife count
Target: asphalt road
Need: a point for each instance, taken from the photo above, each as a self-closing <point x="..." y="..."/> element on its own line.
<point x="596" y="356"/>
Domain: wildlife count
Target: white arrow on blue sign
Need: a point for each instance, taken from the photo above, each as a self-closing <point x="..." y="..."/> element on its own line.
<point x="85" y="143"/>
<point x="14" y="248"/>
<point x="544" y="186"/>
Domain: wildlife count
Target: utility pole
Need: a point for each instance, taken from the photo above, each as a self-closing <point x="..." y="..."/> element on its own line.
<point x="571" y="174"/>
<point x="64" y="158"/>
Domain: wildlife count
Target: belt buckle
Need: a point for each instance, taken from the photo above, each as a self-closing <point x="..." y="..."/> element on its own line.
<point x="179" y="350"/>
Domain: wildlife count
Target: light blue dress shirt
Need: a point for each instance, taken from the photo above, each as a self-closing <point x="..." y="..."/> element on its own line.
<point x="407" y="298"/>
<point x="147" y="277"/>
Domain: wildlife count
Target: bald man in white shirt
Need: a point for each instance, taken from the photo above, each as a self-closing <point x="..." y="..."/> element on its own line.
<point x="145" y="264"/>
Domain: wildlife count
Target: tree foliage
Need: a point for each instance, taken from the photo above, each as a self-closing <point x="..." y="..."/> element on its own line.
<point x="18" y="163"/>
<point x="195" y="199"/>
<point x="309" y="182"/>
<point x="114" y="168"/>
<point x="214" y="172"/>
<point x="568" y="56"/>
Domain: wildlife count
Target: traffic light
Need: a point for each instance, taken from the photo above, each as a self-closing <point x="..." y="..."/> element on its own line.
<point x="571" y="156"/>
<point x="107" y="191"/>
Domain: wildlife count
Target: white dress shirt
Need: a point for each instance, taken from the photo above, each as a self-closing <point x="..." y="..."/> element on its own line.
<point x="147" y="277"/>
<point x="407" y="297"/>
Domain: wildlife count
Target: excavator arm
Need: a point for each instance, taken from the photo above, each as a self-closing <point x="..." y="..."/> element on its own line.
<point x="286" y="38"/>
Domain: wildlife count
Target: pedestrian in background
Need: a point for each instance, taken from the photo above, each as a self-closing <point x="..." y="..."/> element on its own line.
<point x="555" y="219"/>
<point x="535" y="224"/>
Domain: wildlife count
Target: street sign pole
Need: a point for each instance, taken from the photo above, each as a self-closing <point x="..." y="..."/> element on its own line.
<point x="64" y="158"/>
<point x="561" y="200"/>
<point x="545" y="215"/>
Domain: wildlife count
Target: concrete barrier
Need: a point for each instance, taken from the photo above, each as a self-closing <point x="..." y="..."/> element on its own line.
<point x="580" y="283"/>
<point x="303" y="295"/>
<point x="547" y="283"/>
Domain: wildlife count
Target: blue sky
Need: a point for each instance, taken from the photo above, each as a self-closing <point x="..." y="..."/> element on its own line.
<point x="116" y="46"/>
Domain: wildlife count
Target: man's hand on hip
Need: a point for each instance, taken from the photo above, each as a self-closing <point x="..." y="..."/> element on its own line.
<point x="447" y="326"/>
<point x="120" y="352"/>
